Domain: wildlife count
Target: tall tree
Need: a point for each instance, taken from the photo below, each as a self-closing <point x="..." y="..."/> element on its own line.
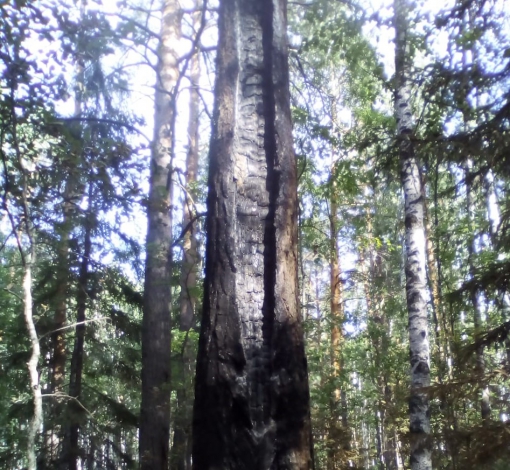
<point x="76" y="370"/>
<point x="415" y="246"/>
<point x="155" y="407"/>
<point x="181" y="448"/>
<point x="251" y="396"/>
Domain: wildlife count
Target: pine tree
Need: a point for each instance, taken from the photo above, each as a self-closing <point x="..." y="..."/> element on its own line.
<point x="251" y="396"/>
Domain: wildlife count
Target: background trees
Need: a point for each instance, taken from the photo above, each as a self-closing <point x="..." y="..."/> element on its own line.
<point x="75" y="169"/>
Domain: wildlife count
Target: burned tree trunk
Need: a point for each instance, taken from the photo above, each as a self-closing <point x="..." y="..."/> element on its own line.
<point x="252" y="401"/>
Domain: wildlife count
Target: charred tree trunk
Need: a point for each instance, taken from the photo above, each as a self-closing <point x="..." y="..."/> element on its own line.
<point x="252" y="400"/>
<point x="415" y="263"/>
<point x="181" y="448"/>
<point x="155" y="407"/>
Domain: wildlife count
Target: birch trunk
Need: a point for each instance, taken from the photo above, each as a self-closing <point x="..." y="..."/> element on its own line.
<point x="32" y="364"/>
<point x="28" y="258"/>
<point x="252" y="400"/>
<point x="415" y="247"/>
<point x="155" y="407"/>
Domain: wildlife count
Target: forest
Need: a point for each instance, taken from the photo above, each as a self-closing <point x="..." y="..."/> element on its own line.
<point x="254" y="234"/>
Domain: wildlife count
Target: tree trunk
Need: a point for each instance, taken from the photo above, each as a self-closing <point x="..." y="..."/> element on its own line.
<point x="378" y="329"/>
<point x="415" y="263"/>
<point x="337" y="439"/>
<point x="252" y="400"/>
<point x="28" y="258"/>
<point x="485" y="407"/>
<point x="76" y="375"/>
<point x="181" y="448"/>
<point x="36" y="421"/>
<point x="155" y="407"/>
<point x="60" y="317"/>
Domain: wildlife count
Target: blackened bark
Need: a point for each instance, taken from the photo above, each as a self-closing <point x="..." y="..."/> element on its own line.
<point x="252" y="401"/>
<point x="415" y="247"/>
<point x="155" y="407"/>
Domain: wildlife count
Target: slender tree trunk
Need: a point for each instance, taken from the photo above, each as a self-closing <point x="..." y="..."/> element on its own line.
<point x="378" y="330"/>
<point x="415" y="247"/>
<point x="337" y="440"/>
<point x="32" y="364"/>
<point x="494" y="219"/>
<point x="181" y="448"/>
<point x="28" y="258"/>
<point x="155" y="407"/>
<point x="76" y="373"/>
<point x="55" y="432"/>
<point x="60" y="317"/>
<point x="435" y="294"/>
<point x="187" y="298"/>
<point x="252" y="400"/>
<point x="485" y="407"/>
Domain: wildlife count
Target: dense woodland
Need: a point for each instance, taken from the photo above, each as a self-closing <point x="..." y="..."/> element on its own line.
<point x="133" y="143"/>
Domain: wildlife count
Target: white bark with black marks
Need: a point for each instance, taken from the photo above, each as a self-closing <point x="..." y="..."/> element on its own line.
<point x="415" y="248"/>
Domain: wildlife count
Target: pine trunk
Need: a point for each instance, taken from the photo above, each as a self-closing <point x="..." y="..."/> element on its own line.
<point x="155" y="408"/>
<point x="415" y="247"/>
<point x="252" y="400"/>
<point x="337" y="439"/>
<point x="76" y="374"/>
<point x="181" y="448"/>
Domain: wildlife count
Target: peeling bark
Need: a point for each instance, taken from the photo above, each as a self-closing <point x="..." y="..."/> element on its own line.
<point x="252" y="400"/>
<point x="415" y="247"/>
<point x="155" y="407"/>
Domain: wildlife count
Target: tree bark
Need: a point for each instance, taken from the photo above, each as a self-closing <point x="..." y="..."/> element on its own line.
<point x="252" y="400"/>
<point x="415" y="247"/>
<point x="485" y="407"/>
<point x="76" y="373"/>
<point x="28" y="258"/>
<point x="32" y="364"/>
<point x="338" y="439"/>
<point x="59" y="358"/>
<point x="181" y="448"/>
<point x="155" y="407"/>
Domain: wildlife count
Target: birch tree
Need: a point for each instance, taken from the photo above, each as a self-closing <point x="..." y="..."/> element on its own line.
<point x="415" y="247"/>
